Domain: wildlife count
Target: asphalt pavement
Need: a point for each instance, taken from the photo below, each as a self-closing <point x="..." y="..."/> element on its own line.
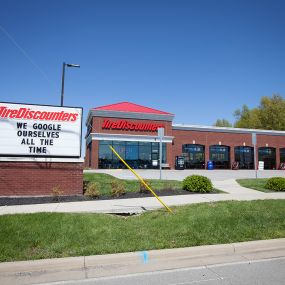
<point x="261" y="272"/>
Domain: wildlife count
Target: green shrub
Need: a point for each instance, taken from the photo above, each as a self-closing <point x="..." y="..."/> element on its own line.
<point x="92" y="190"/>
<point x="143" y="189"/>
<point x="118" y="188"/>
<point x="56" y="192"/>
<point x="197" y="183"/>
<point x="276" y="184"/>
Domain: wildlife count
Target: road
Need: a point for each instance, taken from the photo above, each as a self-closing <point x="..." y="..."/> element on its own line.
<point x="270" y="271"/>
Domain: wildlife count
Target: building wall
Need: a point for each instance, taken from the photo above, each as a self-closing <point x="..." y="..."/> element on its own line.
<point x="230" y="139"/>
<point x="206" y="138"/>
<point x="39" y="178"/>
<point x="272" y="141"/>
<point x="97" y="123"/>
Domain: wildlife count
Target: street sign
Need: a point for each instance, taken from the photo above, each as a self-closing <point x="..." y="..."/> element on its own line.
<point x="254" y="139"/>
<point x="160" y="132"/>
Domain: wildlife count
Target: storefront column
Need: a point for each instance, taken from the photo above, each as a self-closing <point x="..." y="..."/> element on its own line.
<point x="86" y="160"/>
<point x="207" y="155"/>
<point x="232" y="155"/>
<point x="277" y="157"/>
<point x="94" y="154"/>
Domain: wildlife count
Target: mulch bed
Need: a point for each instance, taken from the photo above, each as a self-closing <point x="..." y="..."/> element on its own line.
<point x="9" y="201"/>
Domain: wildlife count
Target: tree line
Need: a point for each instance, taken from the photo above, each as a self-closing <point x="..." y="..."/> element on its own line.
<point x="269" y="115"/>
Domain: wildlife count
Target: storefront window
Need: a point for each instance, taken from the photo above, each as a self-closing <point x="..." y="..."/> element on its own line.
<point x="120" y="148"/>
<point x="220" y="155"/>
<point x="132" y="154"/>
<point x="137" y="154"/>
<point x="194" y="155"/>
<point x="268" y="155"/>
<point x="145" y="155"/>
<point x="244" y="155"/>
<point x="105" y="154"/>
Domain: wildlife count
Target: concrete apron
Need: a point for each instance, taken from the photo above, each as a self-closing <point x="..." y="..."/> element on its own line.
<point x="98" y="266"/>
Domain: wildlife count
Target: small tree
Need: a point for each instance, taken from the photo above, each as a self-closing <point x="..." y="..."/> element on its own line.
<point x="223" y="123"/>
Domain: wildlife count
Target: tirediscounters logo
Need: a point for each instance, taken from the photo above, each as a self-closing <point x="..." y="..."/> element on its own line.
<point x="40" y="131"/>
<point x="130" y="126"/>
<point x="28" y="114"/>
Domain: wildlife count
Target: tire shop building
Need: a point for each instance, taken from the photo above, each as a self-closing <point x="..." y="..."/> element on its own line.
<point x="132" y="130"/>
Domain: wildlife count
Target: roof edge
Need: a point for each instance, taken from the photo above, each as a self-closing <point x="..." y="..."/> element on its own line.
<point x="225" y="129"/>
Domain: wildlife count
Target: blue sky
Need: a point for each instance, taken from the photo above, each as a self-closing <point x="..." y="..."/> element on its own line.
<point x="200" y="60"/>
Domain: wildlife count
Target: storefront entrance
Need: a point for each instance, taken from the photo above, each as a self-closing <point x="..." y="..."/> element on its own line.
<point x="244" y="155"/>
<point x="268" y="155"/>
<point x="194" y="155"/>
<point x="220" y="155"/>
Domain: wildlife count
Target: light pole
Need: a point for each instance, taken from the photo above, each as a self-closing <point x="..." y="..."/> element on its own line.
<point x="62" y="78"/>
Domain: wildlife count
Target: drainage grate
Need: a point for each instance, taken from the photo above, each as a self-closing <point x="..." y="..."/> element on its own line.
<point x="126" y="212"/>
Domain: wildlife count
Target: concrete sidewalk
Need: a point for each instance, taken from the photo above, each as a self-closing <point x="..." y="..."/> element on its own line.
<point x="88" y="267"/>
<point x="137" y="205"/>
<point x="214" y="175"/>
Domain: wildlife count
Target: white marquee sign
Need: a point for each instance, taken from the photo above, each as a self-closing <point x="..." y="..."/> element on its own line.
<point x="40" y="131"/>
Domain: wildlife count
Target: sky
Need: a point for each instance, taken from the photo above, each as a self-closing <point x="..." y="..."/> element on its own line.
<point x="197" y="59"/>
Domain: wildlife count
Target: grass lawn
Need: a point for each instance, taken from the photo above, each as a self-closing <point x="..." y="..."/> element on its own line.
<point x="48" y="235"/>
<point x="105" y="181"/>
<point x="256" y="184"/>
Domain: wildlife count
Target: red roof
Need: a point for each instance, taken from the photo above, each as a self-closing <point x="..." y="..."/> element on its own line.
<point x="130" y="107"/>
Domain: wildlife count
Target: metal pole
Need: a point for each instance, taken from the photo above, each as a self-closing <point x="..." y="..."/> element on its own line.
<point x="62" y="83"/>
<point x="255" y="162"/>
<point x="160" y="157"/>
<point x="253" y="138"/>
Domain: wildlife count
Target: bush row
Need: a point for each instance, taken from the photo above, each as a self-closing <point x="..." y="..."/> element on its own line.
<point x="193" y="183"/>
<point x="93" y="189"/>
<point x="118" y="188"/>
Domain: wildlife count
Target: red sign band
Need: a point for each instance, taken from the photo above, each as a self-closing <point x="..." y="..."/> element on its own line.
<point x="130" y="126"/>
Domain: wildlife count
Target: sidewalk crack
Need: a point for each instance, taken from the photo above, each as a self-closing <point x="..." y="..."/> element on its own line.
<point x="85" y="268"/>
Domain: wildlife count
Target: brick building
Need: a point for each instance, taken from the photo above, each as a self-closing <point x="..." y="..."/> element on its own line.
<point x="132" y="130"/>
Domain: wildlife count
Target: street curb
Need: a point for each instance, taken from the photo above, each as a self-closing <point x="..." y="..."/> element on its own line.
<point x="84" y="267"/>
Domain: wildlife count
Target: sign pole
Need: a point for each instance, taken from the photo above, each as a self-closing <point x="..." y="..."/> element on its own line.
<point x="160" y="132"/>
<point x="255" y="156"/>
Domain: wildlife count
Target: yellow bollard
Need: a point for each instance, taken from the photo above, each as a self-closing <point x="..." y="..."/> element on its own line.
<point x="140" y="179"/>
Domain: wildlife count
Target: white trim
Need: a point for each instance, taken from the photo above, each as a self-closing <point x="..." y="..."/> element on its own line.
<point x="124" y="137"/>
<point x="40" y="159"/>
<point x="183" y="127"/>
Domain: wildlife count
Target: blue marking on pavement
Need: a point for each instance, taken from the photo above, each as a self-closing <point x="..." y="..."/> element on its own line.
<point x="144" y="254"/>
